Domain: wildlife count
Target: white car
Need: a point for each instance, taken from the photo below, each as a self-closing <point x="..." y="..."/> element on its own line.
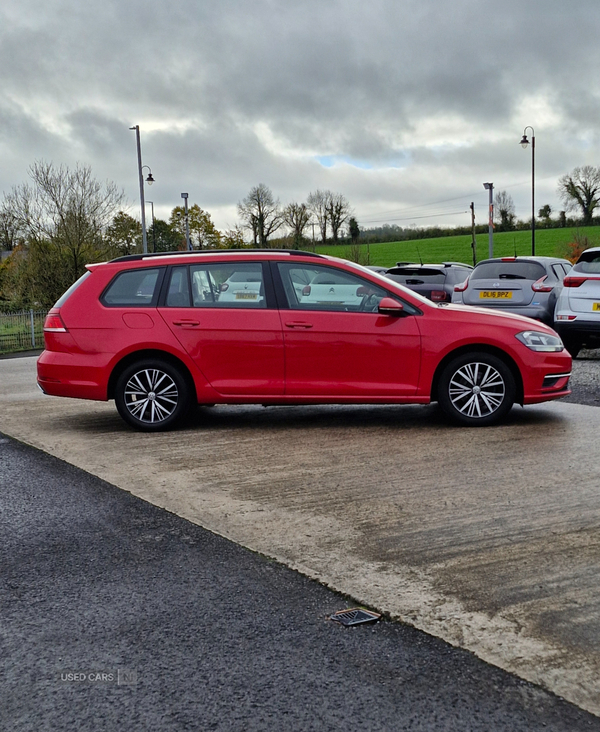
<point x="577" y="313"/>
<point x="335" y="290"/>
<point x="243" y="287"/>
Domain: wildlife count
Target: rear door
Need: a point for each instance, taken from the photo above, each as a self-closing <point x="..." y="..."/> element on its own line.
<point x="225" y="317"/>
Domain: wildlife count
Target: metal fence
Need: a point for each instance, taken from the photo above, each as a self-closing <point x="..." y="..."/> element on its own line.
<point x="21" y="331"/>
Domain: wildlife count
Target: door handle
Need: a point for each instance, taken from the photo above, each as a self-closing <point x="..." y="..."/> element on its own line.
<point x="297" y="324"/>
<point x="186" y="323"/>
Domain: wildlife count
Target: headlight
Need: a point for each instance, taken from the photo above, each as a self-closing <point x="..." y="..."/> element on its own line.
<point x="537" y="341"/>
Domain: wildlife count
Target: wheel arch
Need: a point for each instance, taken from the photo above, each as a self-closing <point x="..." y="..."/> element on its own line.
<point x="479" y="348"/>
<point x="131" y="358"/>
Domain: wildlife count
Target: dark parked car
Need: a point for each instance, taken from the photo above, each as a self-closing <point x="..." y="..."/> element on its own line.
<point x="434" y="281"/>
<point x="522" y="285"/>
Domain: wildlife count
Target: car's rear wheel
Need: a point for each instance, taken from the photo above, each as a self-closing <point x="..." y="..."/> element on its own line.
<point x="152" y="395"/>
<point x="476" y="389"/>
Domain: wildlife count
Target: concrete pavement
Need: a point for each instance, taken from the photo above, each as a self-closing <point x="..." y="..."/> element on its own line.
<point x="487" y="538"/>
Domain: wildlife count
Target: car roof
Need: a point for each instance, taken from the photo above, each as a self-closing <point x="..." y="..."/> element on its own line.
<point x="437" y="265"/>
<point x="224" y="252"/>
<point x="525" y="258"/>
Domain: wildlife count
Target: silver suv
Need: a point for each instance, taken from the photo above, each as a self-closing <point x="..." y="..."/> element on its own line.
<point x="577" y="314"/>
<point x="522" y="285"/>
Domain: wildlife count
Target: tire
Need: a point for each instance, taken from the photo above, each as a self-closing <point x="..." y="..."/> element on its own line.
<point x="152" y="395"/>
<point x="476" y="389"/>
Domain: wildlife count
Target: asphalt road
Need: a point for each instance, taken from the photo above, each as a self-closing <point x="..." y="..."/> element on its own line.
<point x="120" y="615"/>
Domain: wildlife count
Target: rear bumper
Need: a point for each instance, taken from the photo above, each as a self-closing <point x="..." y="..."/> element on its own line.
<point x="72" y="375"/>
<point x="578" y="328"/>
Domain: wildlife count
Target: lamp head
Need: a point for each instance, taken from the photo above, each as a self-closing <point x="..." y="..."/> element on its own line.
<point x="150" y="179"/>
<point x="524" y="142"/>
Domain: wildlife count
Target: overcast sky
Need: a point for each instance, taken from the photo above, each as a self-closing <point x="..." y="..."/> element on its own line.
<point x="405" y="106"/>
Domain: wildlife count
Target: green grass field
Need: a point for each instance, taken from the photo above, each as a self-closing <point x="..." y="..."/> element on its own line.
<point x="548" y="242"/>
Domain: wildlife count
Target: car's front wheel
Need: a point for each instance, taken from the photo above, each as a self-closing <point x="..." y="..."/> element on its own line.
<point x="476" y="389"/>
<point x="152" y="395"/>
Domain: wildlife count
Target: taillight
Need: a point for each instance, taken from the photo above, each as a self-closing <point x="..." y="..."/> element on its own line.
<point x="438" y="295"/>
<point x="462" y="287"/>
<point x="573" y="281"/>
<point x="539" y="285"/>
<point x="306" y="291"/>
<point x="54" y="323"/>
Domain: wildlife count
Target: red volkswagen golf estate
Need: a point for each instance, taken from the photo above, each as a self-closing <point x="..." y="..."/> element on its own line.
<point x="159" y="333"/>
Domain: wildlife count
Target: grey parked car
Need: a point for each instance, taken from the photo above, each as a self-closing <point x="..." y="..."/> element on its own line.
<point x="523" y="285"/>
<point x="434" y="281"/>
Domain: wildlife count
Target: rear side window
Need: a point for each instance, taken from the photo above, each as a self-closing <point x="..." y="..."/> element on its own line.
<point x="508" y="271"/>
<point x="134" y="287"/>
<point x="223" y="285"/>
<point x="589" y="263"/>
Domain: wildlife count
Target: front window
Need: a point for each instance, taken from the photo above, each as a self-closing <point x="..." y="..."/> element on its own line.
<point x="312" y="287"/>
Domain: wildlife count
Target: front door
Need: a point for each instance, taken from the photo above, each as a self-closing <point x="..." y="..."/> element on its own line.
<point x="337" y="344"/>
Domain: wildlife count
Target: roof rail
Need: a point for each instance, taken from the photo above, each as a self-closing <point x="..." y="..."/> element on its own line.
<point x="186" y="252"/>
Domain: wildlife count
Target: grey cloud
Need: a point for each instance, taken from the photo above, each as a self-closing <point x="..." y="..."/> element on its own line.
<point x="343" y="78"/>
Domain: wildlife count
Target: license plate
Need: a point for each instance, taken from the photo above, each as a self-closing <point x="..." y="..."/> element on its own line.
<point x="596" y="306"/>
<point x="246" y="295"/>
<point x="495" y="294"/>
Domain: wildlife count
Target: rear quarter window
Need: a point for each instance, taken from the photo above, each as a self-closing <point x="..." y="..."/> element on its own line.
<point x="66" y="295"/>
<point x="131" y="288"/>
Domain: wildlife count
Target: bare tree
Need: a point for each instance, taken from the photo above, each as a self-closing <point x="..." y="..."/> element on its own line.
<point x="69" y="209"/>
<point x="297" y="217"/>
<point x="62" y="216"/>
<point x="338" y="211"/>
<point x="581" y="189"/>
<point x="10" y="235"/>
<point x="317" y="203"/>
<point x="504" y="210"/>
<point x="261" y="213"/>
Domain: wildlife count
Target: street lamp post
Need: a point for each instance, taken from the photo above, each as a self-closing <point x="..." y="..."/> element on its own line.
<point x="187" y="221"/>
<point x="153" y="229"/>
<point x="490" y="187"/>
<point x="149" y="181"/>
<point x="524" y="144"/>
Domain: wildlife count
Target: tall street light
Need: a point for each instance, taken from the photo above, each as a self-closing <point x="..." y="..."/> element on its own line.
<point x="188" y="241"/>
<point x="153" y="227"/>
<point x="149" y="180"/>
<point x="524" y="144"/>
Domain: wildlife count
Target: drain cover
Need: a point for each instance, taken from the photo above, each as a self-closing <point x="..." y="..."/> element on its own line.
<point x="354" y="616"/>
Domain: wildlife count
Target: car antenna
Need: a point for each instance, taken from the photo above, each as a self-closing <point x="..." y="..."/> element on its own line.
<point x="515" y="245"/>
<point x="420" y="257"/>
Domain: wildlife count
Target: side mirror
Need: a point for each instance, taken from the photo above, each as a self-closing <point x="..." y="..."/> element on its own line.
<point x="389" y="306"/>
